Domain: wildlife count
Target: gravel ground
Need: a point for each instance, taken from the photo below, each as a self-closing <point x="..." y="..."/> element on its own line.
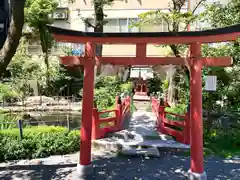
<point x="110" y="167"/>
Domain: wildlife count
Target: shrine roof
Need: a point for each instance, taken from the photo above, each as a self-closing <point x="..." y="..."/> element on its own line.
<point x="218" y="35"/>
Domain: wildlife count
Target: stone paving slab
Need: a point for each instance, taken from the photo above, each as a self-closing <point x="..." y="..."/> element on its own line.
<point x="141" y="97"/>
<point x="166" y="144"/>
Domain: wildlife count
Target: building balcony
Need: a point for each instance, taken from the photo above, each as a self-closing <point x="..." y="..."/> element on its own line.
<point x="37" y="50"/>
<point x="57" y="50"/>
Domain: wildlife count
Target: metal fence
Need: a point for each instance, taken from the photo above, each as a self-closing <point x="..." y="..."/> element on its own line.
<point x="22" y="124"/>
<point x="41" y="100"/>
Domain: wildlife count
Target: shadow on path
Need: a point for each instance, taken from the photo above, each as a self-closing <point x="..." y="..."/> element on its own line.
<point x="123" y="168"/>
<point x="36" y="172"/>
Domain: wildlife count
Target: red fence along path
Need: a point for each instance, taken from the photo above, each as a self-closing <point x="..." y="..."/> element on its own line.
<point x="102" y="126"/>
<point x="172" y="124"/>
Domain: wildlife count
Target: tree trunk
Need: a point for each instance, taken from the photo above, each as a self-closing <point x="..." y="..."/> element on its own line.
<point x="99" y="18"/>
<point x="48" y="82"/>
<point x="46" y="61"/>
<point x="14" y="33"/>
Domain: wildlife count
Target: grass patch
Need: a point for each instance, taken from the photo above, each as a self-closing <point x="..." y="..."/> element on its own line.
<point x="33" y="130"/>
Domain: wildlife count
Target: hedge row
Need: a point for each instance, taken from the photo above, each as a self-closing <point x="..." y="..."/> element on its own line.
<point x="37" y="142"/>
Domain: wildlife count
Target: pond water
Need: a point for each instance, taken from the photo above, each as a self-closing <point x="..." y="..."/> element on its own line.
<point x="67" y="119"/>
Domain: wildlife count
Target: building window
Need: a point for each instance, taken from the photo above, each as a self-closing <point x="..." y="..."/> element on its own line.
<point x="89" y="29"/>
<point x="112" y="26"/>
<point x="133" y="29"/>
<point x="124" y="25"/>
<point x="116" y="25"/>
<point x="161" y="27"/>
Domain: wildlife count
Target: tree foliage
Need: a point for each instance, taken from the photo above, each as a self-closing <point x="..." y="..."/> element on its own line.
<point x="38" y="15"/>
<point x="222" y="15"/>
<point x="228" y="78"/>
<point x="176" y="20"/>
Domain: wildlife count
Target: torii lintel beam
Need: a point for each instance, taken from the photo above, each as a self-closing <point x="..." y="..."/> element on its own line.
<point x="206" y="61"/>
<point x="185" y="37"/>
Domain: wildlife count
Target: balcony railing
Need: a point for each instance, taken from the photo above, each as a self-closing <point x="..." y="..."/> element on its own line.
<point x="59" y="49"/>
<point x="37" y="50"/>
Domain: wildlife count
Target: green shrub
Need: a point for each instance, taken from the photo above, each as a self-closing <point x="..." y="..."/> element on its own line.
<point x="223" y="143"/>
<point x="7" y="93"/>
<point x="178" y="109"/>
<point x="126" y="87"/>
<point x="37" y="142"/>
<point x="106" y="90"/>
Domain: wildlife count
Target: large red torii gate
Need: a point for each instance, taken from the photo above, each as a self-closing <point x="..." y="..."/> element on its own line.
<point x="195" y="61"/>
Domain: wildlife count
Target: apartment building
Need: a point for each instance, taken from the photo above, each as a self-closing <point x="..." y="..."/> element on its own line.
<point x="120" y="15"/>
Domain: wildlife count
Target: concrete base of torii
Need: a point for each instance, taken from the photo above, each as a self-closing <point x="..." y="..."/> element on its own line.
<point x="197" y="176"/>
<point x="84" y="172"/>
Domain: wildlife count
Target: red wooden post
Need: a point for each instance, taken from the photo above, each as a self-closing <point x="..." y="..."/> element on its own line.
<point x="87" y="109"/>
<point x="119" y="116"/>
<point x="162" y="117"/>
<point x="116" y="100"/>
<point x="196" y="126"/>
<point x="128" y="104"/>
<point x="95" y="124"/>
<point x="187" y="129"/>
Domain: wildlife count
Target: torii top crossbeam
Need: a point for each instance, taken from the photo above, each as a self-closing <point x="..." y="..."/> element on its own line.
<point x="141" y="40"/>
<point x="184" y="37"/>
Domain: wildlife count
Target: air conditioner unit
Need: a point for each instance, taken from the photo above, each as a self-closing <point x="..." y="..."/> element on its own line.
<point x="61" y="14"/>
<point x="34" y="49"/>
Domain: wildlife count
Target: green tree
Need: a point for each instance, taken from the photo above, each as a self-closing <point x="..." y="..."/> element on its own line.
<point x="99" y="21"/>
<point x="14" y="33"/>
<point x="38" y="15"/>
<point x="222" y="15"/>
<point x="176" y="20"/>
<point x="229" y="80"/>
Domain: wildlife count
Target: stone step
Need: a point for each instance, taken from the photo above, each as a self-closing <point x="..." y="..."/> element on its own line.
<point x="141" y="105"/>
<point x="152" y="152"/>
<point x="146" y="147"/>
<point x="140" y="134"/>
<point x="141" y="98"/>
<point x="161" y="145"/>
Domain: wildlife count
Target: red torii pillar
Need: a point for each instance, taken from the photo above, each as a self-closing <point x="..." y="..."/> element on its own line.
<point x="196" y="126"/>
<point x="84" y="167"/>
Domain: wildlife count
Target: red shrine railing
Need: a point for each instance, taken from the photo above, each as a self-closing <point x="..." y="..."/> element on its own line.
<point x="101" y="126"/>
<point x="172" y="124"/>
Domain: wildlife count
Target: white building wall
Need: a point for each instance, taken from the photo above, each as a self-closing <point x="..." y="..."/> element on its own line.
<point x="120" y="9"/>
